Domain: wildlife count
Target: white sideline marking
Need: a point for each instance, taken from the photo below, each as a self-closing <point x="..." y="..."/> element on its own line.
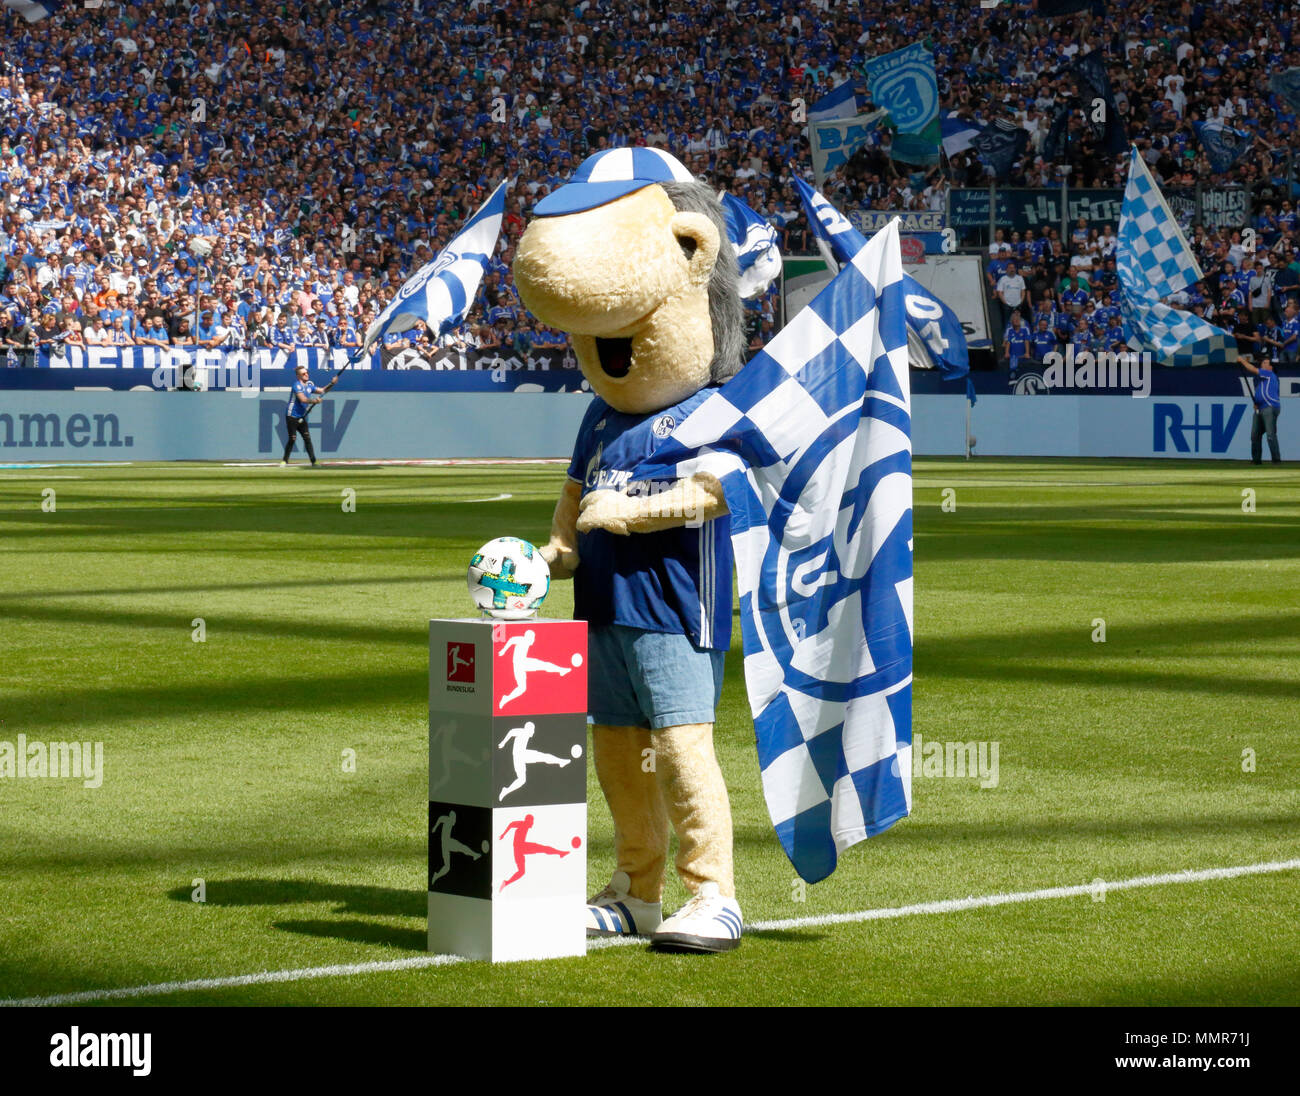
<point x="494" y="498"/>
<point x="947" y="905"/>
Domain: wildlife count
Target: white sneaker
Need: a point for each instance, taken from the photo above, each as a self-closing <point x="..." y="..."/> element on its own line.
<point x="708" y="922"/>
<point x="614" y="912"/>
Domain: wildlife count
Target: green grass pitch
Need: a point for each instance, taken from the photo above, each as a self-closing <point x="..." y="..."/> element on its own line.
<point x="224" y="759"/>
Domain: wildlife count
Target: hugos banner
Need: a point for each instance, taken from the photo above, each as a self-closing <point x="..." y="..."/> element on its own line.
<point x="1019" y="208"/>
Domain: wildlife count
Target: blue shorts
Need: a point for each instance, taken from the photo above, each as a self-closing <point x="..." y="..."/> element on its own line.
<point x="650" y="679"/>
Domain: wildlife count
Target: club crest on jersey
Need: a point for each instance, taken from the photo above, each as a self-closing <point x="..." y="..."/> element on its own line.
<point x="664" y="425"/>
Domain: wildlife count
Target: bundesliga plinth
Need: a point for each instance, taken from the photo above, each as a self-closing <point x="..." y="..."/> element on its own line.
<point x="507" y="788"/>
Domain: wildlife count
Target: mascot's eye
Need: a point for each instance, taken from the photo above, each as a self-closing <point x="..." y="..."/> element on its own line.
<point x="688" y="245"/>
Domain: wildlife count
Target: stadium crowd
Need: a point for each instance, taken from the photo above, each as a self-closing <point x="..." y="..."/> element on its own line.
<point x="1045" y="296"/>
<point x="254" y="174"/>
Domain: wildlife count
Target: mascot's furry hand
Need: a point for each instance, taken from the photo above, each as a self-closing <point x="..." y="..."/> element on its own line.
<point x="608" y="510"/>
<point x="561" y="551"/>
<point x="689" y="502"/>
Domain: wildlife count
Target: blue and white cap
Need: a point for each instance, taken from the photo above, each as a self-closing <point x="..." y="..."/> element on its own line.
<point x="605" y="176"/>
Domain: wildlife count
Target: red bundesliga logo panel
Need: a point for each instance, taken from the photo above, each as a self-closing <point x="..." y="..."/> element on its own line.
<point x="460" y="662"/>
<point x="539" y="670"/>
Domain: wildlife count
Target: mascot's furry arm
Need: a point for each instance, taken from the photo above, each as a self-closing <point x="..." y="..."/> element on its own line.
<point x="690" y="501"/>
<point x="561" y="551"/>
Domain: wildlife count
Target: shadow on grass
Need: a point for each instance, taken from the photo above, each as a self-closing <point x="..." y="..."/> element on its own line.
<point x="360" y="932"/>
<point x="788" y="936"/>
<point x="348" y="898"/>
<point x="992" y="656"/>
<point x="300" y="518"/>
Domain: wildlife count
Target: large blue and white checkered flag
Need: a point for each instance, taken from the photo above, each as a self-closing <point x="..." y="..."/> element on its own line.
<point x="935" y="336"/>
<point x="1153" y="255"/>
<point x="1154" y="261"/>
<point x="1174" y="337"/>
<point x="441" y="291"/>
<point x="757" y="252"/>
<point x="812" y="444"/>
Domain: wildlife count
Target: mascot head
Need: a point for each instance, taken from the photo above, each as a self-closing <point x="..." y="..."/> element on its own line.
<point x="631" y="258"/>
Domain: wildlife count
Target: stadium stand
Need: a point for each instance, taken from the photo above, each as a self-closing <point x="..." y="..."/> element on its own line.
<point x="256" y="174"/>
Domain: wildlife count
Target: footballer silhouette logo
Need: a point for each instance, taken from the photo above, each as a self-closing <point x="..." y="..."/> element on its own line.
<point x="460" y="663"/>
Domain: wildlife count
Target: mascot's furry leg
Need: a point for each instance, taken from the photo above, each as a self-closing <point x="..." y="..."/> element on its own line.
<point x="685" y="787"/>
<point x="621" y="756"/>
<point x="696" y="798"/>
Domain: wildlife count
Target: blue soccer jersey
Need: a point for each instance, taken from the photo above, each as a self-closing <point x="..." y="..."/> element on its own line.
<point x="298" y="404"/>
<point x="1043" y="343"/>
<point x="1268" y="390"/>
<point x="1290" y="335"/>
<point x="675" y="580"/>
<point x="1017" y="343"/>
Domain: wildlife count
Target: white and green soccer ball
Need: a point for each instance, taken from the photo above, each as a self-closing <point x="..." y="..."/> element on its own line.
<point x="508" y="579"/>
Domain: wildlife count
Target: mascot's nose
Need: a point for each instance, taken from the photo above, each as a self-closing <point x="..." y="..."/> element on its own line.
<point x="602" y="271"/>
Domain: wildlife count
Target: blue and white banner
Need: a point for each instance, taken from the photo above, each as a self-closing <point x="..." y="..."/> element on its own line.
<point x="34" y="10"/>
<point x="1223" y="145"/>
<point x="1154" y="261"/>
<point x="842" y="102"/>
<point x="812" y="444"/>
<point x="440" y="292"/>
<point x="904" y="84"/>
<point x="755" y="242"/>
<point x="935" y="338"/>
<point x="835" y="140"/>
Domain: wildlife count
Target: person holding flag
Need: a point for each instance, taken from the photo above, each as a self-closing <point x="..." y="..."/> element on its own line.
<point x="1268" y="405"/>
<point x="302" y="398"/>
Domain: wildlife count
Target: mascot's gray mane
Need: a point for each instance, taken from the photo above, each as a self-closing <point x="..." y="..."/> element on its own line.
<point x="726" y="312"/>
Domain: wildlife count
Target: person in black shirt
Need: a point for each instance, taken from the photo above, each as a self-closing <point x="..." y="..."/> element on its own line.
<point x="1248" y="340"/>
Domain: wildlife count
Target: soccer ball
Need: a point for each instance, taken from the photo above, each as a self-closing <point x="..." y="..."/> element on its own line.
<point x="508" y="579"/>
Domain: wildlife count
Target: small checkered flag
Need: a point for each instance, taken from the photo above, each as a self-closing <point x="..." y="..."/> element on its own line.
<point x="812" y="444"/>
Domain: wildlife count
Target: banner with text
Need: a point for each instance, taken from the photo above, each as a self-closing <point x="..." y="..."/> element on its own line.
<point x="925" y="226"/>
<point x="1019" y="209"/>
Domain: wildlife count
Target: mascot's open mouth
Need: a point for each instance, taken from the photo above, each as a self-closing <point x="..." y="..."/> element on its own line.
<point x="615" y="356"/>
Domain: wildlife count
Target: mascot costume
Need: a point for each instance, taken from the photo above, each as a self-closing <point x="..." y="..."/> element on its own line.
<point x="631" y="258"/>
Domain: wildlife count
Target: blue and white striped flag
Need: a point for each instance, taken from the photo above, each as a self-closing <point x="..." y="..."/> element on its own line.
<point x="441" y="291"/>
<point x="34" y="10"/>
<point x="935" y="337"/>
<point x="1154" y="261"/>
<point x="812" y="444"/>
<point x="754" y="239"/>
<point x="958" y="133"/>
<point x="841" y="102"/>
